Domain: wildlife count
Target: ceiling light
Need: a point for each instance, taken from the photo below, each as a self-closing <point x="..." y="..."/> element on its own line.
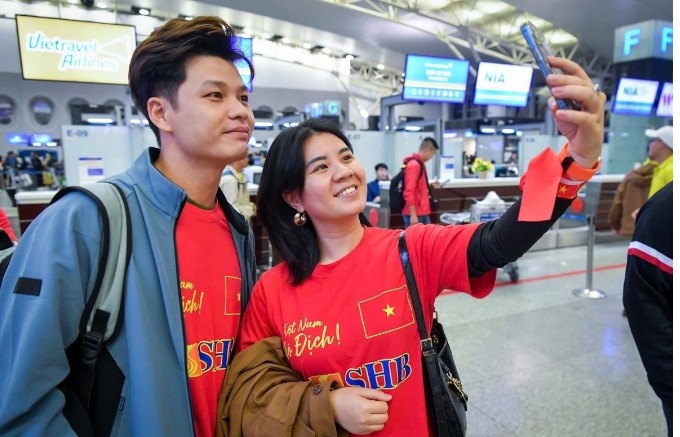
<point x="380" y="67"/>
<point x="185" y="17"/>
<point x="350" y="56"/>
<point x="326" y="50"/>
<point x="140" y="11"/>
<point x="428" y="5"/>
<point x="306" y="45"/>
<point x="101" y="5"/>
<point x="99" y="120"/>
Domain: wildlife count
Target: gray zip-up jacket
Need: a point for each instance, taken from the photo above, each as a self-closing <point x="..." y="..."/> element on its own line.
<point x="40" y="316"/>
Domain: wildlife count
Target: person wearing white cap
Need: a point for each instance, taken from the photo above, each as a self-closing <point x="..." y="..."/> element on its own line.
<point x="661" y="151"/>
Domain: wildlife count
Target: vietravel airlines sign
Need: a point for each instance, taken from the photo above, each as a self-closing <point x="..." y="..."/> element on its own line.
<point x="74" y="51"/>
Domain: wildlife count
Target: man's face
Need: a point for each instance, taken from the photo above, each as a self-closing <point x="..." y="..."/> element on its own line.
<point x="654" y="148"/>
<point x="430" y="151"/>
<point x="382" y="174"/>
<point x="211" y="120"/>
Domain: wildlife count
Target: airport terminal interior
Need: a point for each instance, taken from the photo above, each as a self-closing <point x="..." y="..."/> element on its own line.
<point x="549" y="353"/>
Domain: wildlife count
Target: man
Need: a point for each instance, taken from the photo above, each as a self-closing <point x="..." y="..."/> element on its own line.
<point x="235" y="187"/>
<point x="192" y="256"/>
<point x="381" y="174"/>
<point x="416" y="184"/>
<point x="661" y="151"/>
<point x="631" y="193"/>
<point x="648" y="294"/>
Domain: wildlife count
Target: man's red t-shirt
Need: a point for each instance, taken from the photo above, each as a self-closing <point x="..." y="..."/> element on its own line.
<point x="210" y="284"/>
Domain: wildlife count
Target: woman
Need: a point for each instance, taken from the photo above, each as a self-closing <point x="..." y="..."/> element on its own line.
<point x="339" y="300"/>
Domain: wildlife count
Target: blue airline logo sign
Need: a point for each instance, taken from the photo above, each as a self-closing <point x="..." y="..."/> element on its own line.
<point x="648" y="39"/>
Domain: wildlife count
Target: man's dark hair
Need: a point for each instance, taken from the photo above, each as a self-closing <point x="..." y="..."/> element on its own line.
<point x="381" y="165"/>
<point x="158" y="64"/>
<point x="431" y="140"/>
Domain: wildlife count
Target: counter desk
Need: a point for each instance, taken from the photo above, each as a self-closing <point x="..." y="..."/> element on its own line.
<point x="459" y="195"/>
<point x="455" y="196"/>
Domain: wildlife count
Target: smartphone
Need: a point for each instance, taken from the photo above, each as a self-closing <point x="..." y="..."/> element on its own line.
<point x="541" y="50"/>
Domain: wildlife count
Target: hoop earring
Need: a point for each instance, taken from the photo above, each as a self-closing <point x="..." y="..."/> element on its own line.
<point x="300" y="218"/>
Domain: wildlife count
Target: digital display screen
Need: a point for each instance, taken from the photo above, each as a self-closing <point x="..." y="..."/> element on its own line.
<point x="502" y="84"/>
<point x="74" y="51"/>
<point x="635" y="96"/>
<point x="245" y="45"/>
<point x="665" y="106"/>
<point x="435" y="79"/>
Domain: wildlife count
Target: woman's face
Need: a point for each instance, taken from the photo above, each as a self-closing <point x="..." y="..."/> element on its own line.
<point x="335" y="182"/>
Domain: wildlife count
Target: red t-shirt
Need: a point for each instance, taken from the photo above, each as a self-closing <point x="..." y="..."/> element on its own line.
<point x="210" y="283"/>
<point x="353" y="321"/>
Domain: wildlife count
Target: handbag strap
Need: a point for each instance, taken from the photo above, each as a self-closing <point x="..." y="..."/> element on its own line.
<point x="426" y="345"/>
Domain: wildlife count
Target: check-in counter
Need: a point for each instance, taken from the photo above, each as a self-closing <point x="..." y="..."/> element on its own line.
<point x="455" y="196"/>
<point x="459" y="195"/>
<point x="30" y="204"/>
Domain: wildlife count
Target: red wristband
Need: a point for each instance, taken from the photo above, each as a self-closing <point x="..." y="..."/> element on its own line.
<point x="574" y="171"/>
<point x="568" y="188"/>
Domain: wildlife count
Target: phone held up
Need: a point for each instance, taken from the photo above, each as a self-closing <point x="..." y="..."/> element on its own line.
<point x="541" y="50"/>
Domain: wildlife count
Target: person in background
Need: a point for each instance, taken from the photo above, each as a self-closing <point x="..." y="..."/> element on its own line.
<point x="648" y="294"/>
<point x="631" y="193"/>
<point x="37" y="169"/>
<point x="192" y="262"/>
<point x="416" y="184"/>
<point x="381" y="174"/>
<point x="6" y="226"/>
<point x="235" y="187"/>
<point x="348" y="333"/>
<point x="661" y="151"/>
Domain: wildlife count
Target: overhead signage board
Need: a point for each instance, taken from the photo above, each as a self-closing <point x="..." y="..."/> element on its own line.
<point x="635" y="96"/>
<point x="502" y="84"/>
<point x="435" y="79"/>
<point x="665" y="106"/>
<point x="648" y="39"/>
<point x="74" y="51"/>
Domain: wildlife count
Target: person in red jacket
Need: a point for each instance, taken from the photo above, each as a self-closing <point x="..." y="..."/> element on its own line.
<point x="6" y="226"/>
<point x="416" y="184"/>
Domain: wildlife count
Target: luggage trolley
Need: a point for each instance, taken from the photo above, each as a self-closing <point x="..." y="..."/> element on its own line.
<point x="485" y="210"/>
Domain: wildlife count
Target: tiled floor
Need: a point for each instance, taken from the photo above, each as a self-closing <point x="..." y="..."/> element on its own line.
<point x="536" y="360"/>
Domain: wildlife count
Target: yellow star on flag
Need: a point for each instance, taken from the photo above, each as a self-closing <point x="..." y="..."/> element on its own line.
<point x="389" y="310"/>
<point x="563" y="189"/>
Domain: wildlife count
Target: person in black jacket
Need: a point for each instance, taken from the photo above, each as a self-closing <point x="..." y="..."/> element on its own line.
<point x="648" y="294"/>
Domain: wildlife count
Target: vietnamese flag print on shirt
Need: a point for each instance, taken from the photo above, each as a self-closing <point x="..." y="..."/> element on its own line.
<point x="386" y="312"/>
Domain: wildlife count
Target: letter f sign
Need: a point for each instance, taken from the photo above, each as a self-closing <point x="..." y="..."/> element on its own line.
<point x="630" y="38"/>
<point x="666" y="38"/>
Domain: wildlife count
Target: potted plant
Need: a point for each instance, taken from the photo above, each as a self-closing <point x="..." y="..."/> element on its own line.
<point x="482" y="167"/>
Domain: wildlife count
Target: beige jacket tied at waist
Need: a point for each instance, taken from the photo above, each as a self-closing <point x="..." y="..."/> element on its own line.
<point x="262" y="396"/>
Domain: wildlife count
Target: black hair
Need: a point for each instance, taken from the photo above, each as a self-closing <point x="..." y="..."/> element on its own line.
<point x="284" y="172"/>
<point x="158" y="64"/>
<point x="380" y="165"/>
<point x="431" y="140"/>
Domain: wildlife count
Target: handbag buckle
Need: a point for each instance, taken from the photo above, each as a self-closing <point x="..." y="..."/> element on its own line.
<point x="426" y="346"/>
<point x="455" y="382"/>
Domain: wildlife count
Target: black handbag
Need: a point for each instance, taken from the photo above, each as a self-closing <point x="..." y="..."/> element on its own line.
<point x="446" y="400"/>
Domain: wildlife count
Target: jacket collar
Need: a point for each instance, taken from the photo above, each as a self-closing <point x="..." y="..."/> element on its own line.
<point x="170" y="197"/>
